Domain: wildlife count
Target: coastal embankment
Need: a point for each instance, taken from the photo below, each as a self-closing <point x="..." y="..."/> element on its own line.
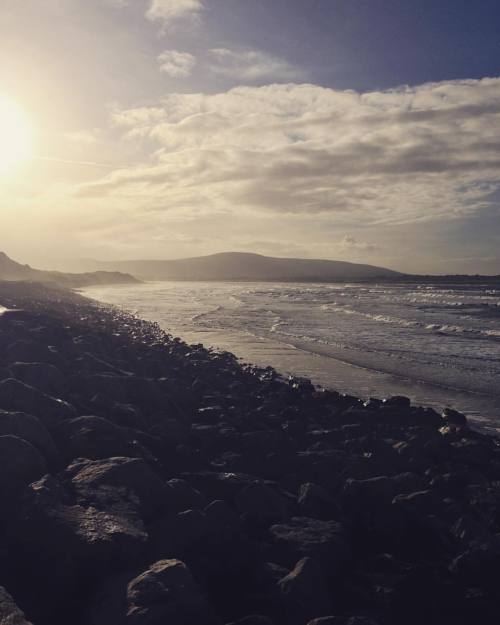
<point x="147" y="481"/>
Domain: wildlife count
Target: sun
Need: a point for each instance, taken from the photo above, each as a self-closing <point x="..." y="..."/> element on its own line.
<point x="16" y="136"/>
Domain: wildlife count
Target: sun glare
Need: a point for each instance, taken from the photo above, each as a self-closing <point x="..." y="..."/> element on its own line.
<point x="16" y="136"/>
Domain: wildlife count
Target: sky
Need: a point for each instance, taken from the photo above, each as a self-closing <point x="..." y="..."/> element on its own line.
<point x="358" y="130"/>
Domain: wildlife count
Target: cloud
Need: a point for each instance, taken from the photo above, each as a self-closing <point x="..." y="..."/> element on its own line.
<point x="351" y="244"/>
<point x="250" y="65"/>
<point x="168" y="11"/>
<point x="398" y="156"/>
<point x="176" y="64"/>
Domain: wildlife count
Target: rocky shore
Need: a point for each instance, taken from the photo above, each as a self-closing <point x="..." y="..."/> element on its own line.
<point x="145" y="481"/>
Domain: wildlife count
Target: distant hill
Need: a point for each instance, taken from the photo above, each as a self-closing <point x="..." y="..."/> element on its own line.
<point x="10" y="270"/>
<point x="243" y="266"/>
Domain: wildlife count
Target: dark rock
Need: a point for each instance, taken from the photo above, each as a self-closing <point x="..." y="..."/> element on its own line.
<point x="30" y="429"/>
<point x="397" y="401"/>
<point x="315" y="502"/>
<point x="305" y="591"/>
<point x="40" y="375"/>
<point x="125" y="415"/>
<point x="180" y="534"/>
<point x="324" y="541"/>
<point x="94" y="438"/>
<point x="10" y="614"/>
<point x="260" y="503"/>
<point x="219" y="485"/>
<point x="17" y="396"/>
<point x="454" y="418"/>
<point x="405" y="483"/>
<point x="106" y="483"/>
<point x="478" y="566"/>
<point x="32" y="351"/>
<point x="364" y="495"/>
<point x="165" y="593"/>
<point x="221" y="515"/>
<point x="180" y="496"/>
<point x="81" y="545"/>
<point x="20" y="464"/>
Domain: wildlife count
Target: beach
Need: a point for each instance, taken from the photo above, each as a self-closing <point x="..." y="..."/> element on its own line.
<point x="146" y="480"/>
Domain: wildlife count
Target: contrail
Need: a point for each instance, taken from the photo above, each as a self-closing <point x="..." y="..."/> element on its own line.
<point x="69" y="162"/>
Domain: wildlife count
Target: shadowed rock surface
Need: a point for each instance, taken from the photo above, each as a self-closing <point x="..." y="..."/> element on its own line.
<point x="145" y="481"/>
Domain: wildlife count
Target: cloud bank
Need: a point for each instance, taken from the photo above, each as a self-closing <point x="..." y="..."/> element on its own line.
<point x="396" y="156"/>
<point x="176" y="64"/>
<point x="168" y="11"/>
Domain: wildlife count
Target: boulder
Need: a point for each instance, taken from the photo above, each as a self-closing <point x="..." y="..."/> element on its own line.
<point x="305" y="591"/>
<point x="260" y="503"/>
<point x="397" y="401"/>
<point x="30" y="429"/>
<point x="221" y="556"/>
<point x="219" y="485"/>
<point x="17" y="396"/>
<point x="304" y="537"/>
<point x="114" y="387"/>
<point x="10" y="614"/>
<point x="222" y="515"/>
<point x="41" y="375"/>
<point x="181" y="496"/>
<point x="94" y="438"/>
<point x="168" y="592"/>
<point x="20" y="464"/>
<point x="113" y="481"/>
<point x="454" y="418"/>
<point x="315" y="502"/>
<point x="362" y="496"/>
<point x="57" y="549"/>
<point x="33" y="351"/>
<point x="165" y="593"/>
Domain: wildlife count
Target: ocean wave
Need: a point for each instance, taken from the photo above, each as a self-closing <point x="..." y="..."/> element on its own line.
<point x="456" y="329"/>
<point x="205" y="313"/>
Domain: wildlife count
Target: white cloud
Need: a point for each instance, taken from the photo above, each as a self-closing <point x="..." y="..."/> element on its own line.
<point x="176" y="64"/>
<point x="169" y="11"/>
<point x="397" y="156"/>
<point x="351" y="244"/>
<point x="251" y="65"/>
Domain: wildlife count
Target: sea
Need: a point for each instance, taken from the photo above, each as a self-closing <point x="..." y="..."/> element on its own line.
<point x="438" y="345"/>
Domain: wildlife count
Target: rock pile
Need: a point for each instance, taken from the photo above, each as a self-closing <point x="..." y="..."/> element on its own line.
<point x="145" y="481"/>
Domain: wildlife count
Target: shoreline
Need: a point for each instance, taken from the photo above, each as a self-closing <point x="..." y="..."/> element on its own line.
<point x="361" y="374"/>
<point x="218" y="491"/>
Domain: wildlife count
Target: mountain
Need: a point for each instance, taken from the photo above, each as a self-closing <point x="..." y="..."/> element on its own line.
<point x="10" y="270"/>
<point x="243" y="266"/>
